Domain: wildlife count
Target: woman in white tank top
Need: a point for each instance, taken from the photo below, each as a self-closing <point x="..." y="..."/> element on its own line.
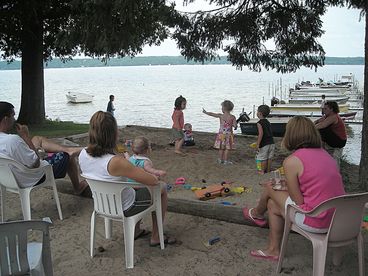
<point x="99" y="161"/>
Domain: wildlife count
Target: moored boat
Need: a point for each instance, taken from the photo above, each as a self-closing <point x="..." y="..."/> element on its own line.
<point x="314" y="99"/>
<point x="77" y="97"/>
<point x="278" y="126"/>
<point x="307" y="108"/>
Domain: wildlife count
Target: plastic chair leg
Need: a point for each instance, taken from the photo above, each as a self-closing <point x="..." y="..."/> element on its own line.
<point x="319" y="259"/>
<point x="361" y="254"/>
<point x="93" y="232"/>
<point x="108" y="228"/>
<point x="159" y="218"/>
<point x="56" y="196"/>
<point x="285" y="240"/>
<point x="25" y="203"/>
<point x="2" y="200"/>
<point x="129" y="228"/>
<point x="337" y="255"/>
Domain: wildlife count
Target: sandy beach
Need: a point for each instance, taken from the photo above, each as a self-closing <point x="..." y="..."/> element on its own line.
<point x="229" y="256"/>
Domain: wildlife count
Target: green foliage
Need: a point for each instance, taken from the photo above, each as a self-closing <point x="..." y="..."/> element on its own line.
<point x="243" y="27"/>
<point x="156" y="60"/>
<point x="57" y="128"/>
<point x="96" y="28"/>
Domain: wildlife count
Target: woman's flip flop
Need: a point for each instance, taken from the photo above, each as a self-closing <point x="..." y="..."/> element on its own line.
<point x="142" y="234"/>
<point x="260" y="254"/>
<point x="167" y="240"/>
<point x="248" y="215"/>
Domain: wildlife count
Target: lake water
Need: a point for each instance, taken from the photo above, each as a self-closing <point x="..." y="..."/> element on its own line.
<point x="144" y="95"/>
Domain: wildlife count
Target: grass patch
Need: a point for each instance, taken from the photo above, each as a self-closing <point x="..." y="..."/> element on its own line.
<point x="57" y="129"/>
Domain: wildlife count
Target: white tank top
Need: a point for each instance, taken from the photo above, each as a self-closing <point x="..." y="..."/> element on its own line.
<point x="97" y="168"/>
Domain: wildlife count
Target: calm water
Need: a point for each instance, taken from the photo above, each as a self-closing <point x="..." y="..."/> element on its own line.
<point x="144" y="95"/>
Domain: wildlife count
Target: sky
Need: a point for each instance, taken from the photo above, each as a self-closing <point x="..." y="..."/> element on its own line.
<point x="343" y="37"/>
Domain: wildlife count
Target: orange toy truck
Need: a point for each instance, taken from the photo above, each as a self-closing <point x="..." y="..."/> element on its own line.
<point x="212" y="191"/>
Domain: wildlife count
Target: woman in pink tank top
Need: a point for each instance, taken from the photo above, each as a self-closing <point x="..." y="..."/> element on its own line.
<point x="312" y="176"/>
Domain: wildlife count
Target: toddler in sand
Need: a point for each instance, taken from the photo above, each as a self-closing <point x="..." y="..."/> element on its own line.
<point x="188" y="135"/>
<point x="178" y="124"/>
<point x="225" y="137"/>
<point x="141" y="148"/>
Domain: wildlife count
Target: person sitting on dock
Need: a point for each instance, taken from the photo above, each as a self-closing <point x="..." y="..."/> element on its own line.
<point x="332" y="130"/>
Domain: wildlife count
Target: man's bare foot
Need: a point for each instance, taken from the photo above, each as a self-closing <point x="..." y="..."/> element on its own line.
<point x="180" y="153"/>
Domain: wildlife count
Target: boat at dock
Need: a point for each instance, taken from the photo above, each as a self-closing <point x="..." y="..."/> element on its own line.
<point x="308" y="110"/>
<point x="316" y="108"/>
<point x="314" y="99"/>
<point x="278" y="126"/>
<point x="77" y="97"/>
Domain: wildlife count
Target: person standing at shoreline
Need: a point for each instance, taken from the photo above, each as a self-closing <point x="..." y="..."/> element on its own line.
<point x="178" y="124"/>
<point x="225" y="137"/>
<point x="110" y="105"/>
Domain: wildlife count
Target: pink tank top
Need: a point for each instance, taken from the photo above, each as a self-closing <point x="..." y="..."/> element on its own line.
<point x="178" y="119"/>
<point x="320" y="180"/>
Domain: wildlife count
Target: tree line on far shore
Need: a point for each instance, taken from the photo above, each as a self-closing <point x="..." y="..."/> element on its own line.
<point x="155" y="60"/>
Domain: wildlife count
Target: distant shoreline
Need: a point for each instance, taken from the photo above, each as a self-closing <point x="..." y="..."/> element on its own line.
<point x="155" y="61"/>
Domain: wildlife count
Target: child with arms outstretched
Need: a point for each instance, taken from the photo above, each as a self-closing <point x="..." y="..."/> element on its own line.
<point x="141" y="148"/>
<point x="225" y="137"/>
<point x="265" y="143"/>
<point x="178" y="124"/>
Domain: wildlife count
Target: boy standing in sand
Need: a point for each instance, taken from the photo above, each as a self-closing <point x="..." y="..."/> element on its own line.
<point x="265" y="143"/>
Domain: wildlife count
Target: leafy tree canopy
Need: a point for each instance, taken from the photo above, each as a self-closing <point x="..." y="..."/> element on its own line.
<point x="242" y="29"/>
<point x="96" y="28"/>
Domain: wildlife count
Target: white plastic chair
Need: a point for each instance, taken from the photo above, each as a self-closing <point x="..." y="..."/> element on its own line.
<point x="9" y="183"/>
<point x="345" y="228"/>
<point x="19" y="256"/>
<point x="108" y="204"/>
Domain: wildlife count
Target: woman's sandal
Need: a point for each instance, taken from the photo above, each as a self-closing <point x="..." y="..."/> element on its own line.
<point x="248" y="215"/>
<point x="142" y="234"/>
<point x="167" y="240"/>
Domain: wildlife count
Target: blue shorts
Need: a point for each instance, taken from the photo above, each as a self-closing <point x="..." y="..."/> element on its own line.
<point x="59" y="162"/>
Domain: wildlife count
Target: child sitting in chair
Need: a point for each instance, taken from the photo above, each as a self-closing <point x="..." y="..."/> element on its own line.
<point x="141" y="148"/>
<point x="188" y="135"/>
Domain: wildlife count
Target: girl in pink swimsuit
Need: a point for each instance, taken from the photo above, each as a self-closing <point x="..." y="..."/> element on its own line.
<point x="225" y="137"/>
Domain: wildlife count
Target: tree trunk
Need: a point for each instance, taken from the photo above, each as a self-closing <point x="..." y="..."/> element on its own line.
<point x="32" y="109"/>
<point x="363" y="168"/>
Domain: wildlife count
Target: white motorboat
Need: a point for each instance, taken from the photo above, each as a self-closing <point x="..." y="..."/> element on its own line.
<point x="77" y="97"/>
<point x="309" y="110"/>
<point x="319" y="91"/>
<point x="314" y="99"/>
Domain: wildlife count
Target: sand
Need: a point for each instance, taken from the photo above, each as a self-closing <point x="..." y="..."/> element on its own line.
<point x="230" y="256"/>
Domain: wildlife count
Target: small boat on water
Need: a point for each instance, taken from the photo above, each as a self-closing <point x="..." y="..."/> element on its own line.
<point x="319" y="91"/>
<point x="306" y="108"/>
<point x="315" y="93"/>
<point x="278" y="126"/>
<point x="314" y="99"/>
<point x="77" y="97"/>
